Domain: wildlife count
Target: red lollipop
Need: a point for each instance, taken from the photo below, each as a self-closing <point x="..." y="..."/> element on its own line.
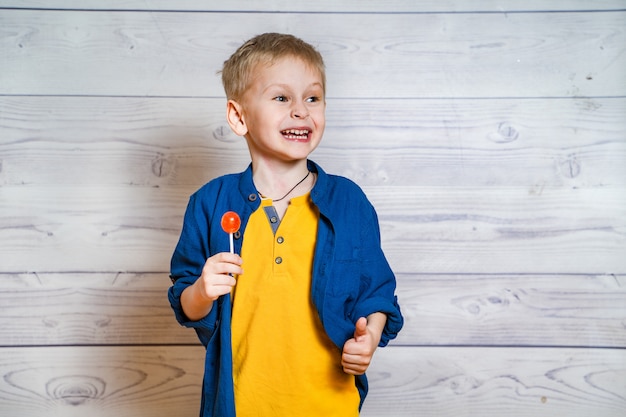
<point x="230" y="224"/>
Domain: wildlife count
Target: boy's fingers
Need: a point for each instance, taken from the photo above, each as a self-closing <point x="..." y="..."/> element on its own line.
<point x="360" y="328"/>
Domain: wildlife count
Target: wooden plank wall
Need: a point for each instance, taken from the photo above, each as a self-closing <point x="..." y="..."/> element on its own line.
<point x="490" y="135"/>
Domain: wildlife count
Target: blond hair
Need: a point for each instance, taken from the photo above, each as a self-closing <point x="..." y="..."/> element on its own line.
<point x="266" y="48"/>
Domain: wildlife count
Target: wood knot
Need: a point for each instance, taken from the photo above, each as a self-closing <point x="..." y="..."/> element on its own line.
<point x="462" y="384"/>
<point x="103" y="321"/>
<point x="162" y="166"/>
<point x="223" y="134"/>
<point x="75" y="389"/>
<point x="569" y="166"/>
<point x="51" y="323"/>
<point x="504" y="133"/>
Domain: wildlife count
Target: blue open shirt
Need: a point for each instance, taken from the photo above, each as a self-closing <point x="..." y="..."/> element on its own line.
<point x="351" y="276"/>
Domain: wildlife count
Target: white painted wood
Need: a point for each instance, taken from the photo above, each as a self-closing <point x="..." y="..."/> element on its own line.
<point x="469" y="382"/>
<point x="77" y="308"/>
<point x="326" y="6"/>
<point x="519" y="310"/>
<point x="425" y="229"/>
<point x="535" y="230"/>
<point x="101" y="381"/>
<point x="109" y="229"/>
<point x="575" y="143"/>
<point x="438" y="382"/>
<point x="480" y="310"/>
<point x="367" y="55"/>
<point x="490" y="136"/>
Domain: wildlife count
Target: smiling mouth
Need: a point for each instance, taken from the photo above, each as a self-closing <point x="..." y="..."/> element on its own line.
<point x="296" y="134"/>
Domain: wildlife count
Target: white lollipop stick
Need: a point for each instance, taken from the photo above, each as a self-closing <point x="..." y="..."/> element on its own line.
<point x="230" y="224"/>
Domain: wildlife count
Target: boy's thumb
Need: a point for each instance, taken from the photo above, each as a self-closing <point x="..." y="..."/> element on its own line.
<point x="360" y="328"/>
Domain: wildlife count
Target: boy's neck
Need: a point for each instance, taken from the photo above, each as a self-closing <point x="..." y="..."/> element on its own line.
<point x="281" y="183"/>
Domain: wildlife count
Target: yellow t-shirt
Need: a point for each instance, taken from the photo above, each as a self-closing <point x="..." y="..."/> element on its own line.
<point x="284" y="364"/>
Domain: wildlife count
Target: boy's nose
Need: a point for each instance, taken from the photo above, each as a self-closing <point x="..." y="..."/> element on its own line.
<point x="299" y="111"/>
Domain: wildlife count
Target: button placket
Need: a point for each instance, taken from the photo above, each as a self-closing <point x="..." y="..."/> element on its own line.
<point x="279" y="241"/>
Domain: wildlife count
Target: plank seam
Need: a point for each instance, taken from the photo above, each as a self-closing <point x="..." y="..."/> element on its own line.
<point x="422" y="274"/>
<point x="355" y="12"/>
<point x="470" y="98"/>
<point x="391" y="346"/>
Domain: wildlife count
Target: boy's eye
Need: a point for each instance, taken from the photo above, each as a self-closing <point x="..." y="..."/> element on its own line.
<point x="280" y="98"/>
<point x="313" y="99"/>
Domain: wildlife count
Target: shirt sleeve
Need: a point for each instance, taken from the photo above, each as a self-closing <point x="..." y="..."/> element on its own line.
<point x="377" y="284"/>
<point x="186" y="266"/>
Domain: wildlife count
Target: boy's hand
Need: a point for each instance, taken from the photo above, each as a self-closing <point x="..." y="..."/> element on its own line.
<point x="216" y="280"/>
<point x="358" y="351"/>
<point x="217" y="275"/>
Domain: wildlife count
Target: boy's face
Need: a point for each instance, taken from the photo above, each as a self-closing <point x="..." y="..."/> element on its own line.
<point x="283" y="110"/>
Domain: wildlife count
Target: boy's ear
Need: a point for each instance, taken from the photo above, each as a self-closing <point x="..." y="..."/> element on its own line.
<point x="235" y="118"/>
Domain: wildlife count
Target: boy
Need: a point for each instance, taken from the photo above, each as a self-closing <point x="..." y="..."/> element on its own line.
<point x="294" y="333"/>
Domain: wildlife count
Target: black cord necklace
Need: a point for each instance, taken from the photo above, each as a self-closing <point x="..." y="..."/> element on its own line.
<point x="294" y="187"/>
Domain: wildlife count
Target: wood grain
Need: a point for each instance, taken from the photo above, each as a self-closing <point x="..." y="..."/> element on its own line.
<point x="470" y="382"/>
<point x="490" y="136"/>
<point x="326" y="6"/>
<point x="101" y="381"/>
<point x="425" y="229"/>
<point x="95" y="229"/>
<point x="535" y="230"/>
<point x="74" y="308"/>
<point x="368" y="55"/>
<point x="479" y="310"/>
<point x="442" y="382"/>
<point x="513" y="310"/>
<point x="154" y="142"/>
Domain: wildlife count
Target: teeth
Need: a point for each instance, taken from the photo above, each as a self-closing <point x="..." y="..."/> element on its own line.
<point x="296" y="132"/>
